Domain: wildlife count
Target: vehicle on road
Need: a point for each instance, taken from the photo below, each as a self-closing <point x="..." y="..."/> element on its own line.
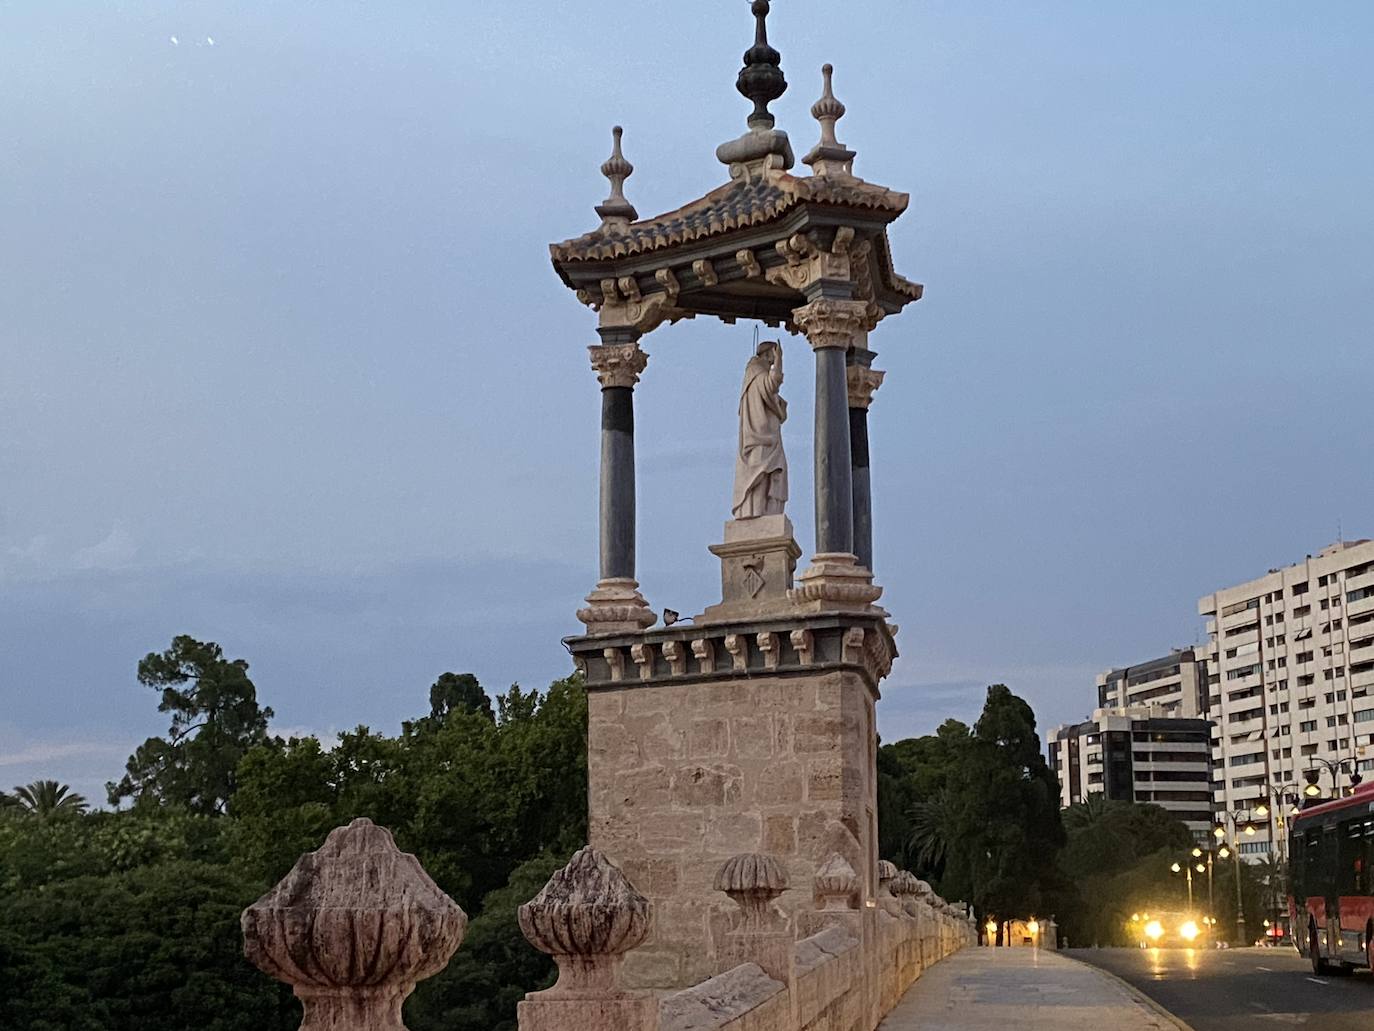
<point x="1331" y="894"/>
<point x="1167" y="929"/>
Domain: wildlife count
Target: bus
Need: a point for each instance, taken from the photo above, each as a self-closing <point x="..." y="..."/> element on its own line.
<point x="1331" y="888"/>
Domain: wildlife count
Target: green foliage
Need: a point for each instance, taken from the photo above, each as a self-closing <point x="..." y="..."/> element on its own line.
<point x="46" y="800"/>
<point x="458" y="692"/>
<point x="495" y="967"/>
<point x="152" y="949"/>
<point x="215" y="720"/>
<point x="470" y="796"/>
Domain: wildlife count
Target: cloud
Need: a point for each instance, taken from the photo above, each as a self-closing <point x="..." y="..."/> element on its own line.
<point x="115" y="551"/>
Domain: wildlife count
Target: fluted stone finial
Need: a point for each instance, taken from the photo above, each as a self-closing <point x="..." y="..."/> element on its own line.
<point x="615" y="210"/>
<point x="352" y="928"/>
<point x="587" y="917"/>
<point x="753" y="881"/>
<point x="836" y="883"/>
<point x="829" y="157"/>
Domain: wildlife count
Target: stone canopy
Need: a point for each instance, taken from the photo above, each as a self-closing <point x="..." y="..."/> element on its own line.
<point x="728" y="253"/>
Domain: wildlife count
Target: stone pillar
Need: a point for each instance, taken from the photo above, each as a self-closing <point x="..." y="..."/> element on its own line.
<point x="753" y="881"/>
<point x="616" y="606"/>
<point x="352" y="928"/>
<point x="835" y="579"/>
<point x="863" y="381"/>
<point x="587" y="917"/>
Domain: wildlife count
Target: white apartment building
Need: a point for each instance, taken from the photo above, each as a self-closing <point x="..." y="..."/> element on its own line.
<point x="1290" y="673"/>
<point x="1137" y="754"/>
<point x="1176" y="684"/>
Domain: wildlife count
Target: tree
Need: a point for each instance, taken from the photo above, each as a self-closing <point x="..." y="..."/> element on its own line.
<point x="47" y="799"/>
<point x="458" y="692"/>
<point x="216" y="719"/>
<point x="983" y="818"/>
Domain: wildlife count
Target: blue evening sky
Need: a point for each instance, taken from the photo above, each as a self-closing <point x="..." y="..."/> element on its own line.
<point x="285" y="365"/>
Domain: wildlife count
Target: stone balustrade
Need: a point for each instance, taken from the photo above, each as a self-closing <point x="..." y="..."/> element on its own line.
<point x="357" y="923"/>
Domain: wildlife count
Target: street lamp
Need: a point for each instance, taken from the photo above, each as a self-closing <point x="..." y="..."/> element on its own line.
<point x="1239" y="822"/>
<point x="1336" y="767"/>
<point x="1284" y="799"/>
<point x="1177" y="868"/>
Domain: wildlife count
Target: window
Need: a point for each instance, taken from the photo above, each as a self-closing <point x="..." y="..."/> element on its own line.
<point x="1298" y="589"/>
<point x="1307" y="703"/>
<point x="1308" y="750"/>
<point x="1307" y="726"/>
<point x="1364" y="715"/>
<point x="1303" y="657"/>
<point x="1302" y="610"/>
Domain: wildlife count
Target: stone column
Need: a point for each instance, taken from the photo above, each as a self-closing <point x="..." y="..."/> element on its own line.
<point x="835" y="578"/>
<point x="863" y="381"/>
<point x="616" y="605"/>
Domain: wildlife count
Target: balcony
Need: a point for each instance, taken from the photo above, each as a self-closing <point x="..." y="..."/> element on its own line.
<point x="1359" y="608"/>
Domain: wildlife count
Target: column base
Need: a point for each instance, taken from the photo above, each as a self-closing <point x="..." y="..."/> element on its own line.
<point x="835" y="582"/>
<point x="617" y="607"/>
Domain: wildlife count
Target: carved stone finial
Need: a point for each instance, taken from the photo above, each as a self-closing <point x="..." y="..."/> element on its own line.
<point x="352" y="928"/>
<point x="836" y="884"/>
<point x="829" y="157"/>
<point x="587" y="917"/>
<point x="886" y="872"/>
<point x="616" y="212"/>
<point x="753" y="881"/>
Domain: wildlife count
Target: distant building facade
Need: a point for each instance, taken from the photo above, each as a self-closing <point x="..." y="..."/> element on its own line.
<point x="1290" y="676"/>
<point x="1176" y="684"/>
<point x="1138" y="754"/>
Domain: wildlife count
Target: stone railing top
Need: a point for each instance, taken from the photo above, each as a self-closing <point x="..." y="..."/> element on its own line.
<point x="356" y="922"/>
<point x="825" y="945"/>
<point x="718" y="1000"/>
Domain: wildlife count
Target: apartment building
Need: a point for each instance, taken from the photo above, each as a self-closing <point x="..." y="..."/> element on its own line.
<point x="1176" y="684"/>
<point x="1138" y="754"/>
<point x="1290" y="675"/>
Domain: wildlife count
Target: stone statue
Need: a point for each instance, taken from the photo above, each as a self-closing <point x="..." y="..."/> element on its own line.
<point x="761" y="468"/>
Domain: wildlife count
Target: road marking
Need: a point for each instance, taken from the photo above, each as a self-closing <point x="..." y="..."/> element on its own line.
<point x="1267" y="970"/>
<point x="1316" y="980"/>
<point x="1262" y="1006"/>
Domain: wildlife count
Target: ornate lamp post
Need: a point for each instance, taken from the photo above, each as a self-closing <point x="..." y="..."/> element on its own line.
<point x="1335" y="767"/>
<point x="1240" y="823"/>
<point x="1283" y="801"/>
<point x="1186" y="868"/>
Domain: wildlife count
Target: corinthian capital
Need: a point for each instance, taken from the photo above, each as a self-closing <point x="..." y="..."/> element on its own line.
<point x="831" y="323"/>
<point x="618" y="365"/>
<point x="863" y="382"/>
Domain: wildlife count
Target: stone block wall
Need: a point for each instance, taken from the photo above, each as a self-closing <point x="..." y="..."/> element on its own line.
<point x="684" y="775"/>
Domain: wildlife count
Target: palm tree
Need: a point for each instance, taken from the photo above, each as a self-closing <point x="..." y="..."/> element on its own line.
<point x="931" y="831"/>
<point x="47" y="798"/>
<point x="1090" y="812"/>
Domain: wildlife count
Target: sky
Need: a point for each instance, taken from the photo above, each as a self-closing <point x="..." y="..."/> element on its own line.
<point x="284" y="365"/>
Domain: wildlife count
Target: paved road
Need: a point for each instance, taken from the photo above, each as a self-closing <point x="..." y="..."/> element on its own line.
<point x="1234" y="989"/>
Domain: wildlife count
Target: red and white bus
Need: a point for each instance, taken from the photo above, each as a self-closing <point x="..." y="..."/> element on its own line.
<point x="1331" y="878"/>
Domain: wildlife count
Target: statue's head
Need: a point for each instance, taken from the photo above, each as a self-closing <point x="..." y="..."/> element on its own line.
<point x="767" y="348"/>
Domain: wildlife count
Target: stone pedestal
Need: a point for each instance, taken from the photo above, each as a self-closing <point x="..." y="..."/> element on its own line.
<point x="758" y="561"/>
<point x="708" y="741"/>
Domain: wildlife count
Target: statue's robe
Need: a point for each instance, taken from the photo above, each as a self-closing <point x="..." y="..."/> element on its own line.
<point x="761" y="467"/>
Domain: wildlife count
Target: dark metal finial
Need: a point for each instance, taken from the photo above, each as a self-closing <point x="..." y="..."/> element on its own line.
<point x="761" y="79"/>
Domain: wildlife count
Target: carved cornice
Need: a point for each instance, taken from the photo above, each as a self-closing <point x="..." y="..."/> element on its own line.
<point x="863" y="382"/>
<point x="618" y="365"/>
<point x="832" y="323"/>
<point x="622" y="305"/>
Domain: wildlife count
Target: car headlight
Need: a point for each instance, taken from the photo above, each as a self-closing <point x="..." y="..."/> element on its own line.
<point x="1154" y="930"/>
<point x="1189" y="931"/>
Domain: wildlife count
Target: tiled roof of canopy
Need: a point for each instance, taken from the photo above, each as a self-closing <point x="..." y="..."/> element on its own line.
<point x="736" y="205"/>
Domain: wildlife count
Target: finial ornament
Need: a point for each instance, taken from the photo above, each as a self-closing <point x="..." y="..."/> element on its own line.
<point x="763" y="148"/>
<point x="829" y="157"/>
<point x="761" y="79"/>
<point x="615" y="210"/>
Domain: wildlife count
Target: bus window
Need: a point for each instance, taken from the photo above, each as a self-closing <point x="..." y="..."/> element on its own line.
<point x="1351" y="880"/>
